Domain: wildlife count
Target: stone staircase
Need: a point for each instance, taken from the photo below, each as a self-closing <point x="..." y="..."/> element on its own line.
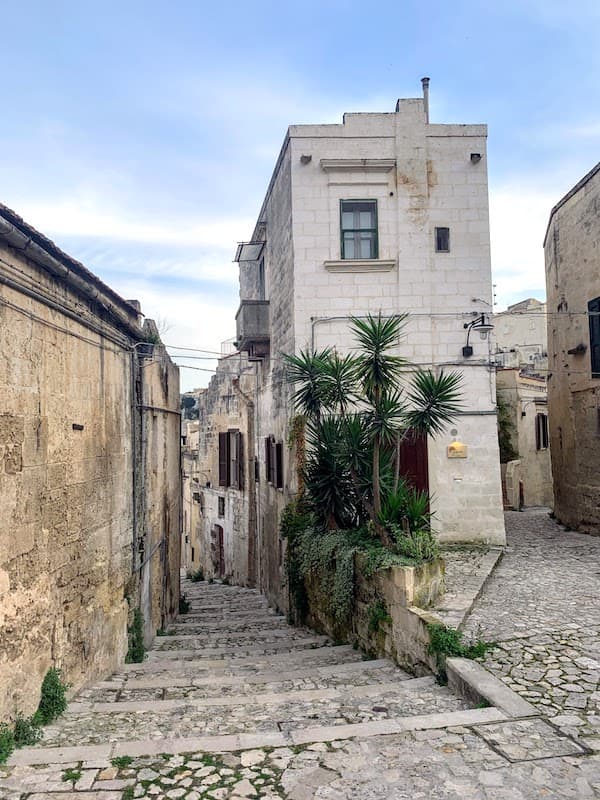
<point x="231" y="666"/>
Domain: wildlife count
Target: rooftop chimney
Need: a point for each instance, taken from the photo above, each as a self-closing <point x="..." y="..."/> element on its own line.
<point x="425" y="82"/>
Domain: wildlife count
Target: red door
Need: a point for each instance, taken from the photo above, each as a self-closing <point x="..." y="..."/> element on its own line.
<point x="413" y="461"/>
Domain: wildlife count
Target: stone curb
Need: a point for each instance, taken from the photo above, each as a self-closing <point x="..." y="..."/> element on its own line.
<point x="471" y="681"/>
<point x="464" y="603"/>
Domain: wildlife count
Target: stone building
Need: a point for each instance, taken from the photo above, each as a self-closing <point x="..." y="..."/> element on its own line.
<point x="572" y="251"/>
<point x="520" y="336"/>
<point x="384" y="212"/>
<point x="89" y="470"/>
<point x="528" y="478"/>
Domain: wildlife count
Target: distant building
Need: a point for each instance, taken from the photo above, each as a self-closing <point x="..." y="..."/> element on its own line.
<point x="572" y="250"/>
<point x="89" y="470"/>
<point x="521" y="337"/>
<point x="387" y="213"/>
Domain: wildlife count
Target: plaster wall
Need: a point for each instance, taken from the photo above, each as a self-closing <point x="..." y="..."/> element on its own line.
<point x="572" y="254"/>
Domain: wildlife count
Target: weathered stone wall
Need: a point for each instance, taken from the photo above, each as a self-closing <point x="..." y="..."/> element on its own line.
<point x="67" y="473"/>
<point x="161" y="419"/>
<point x="572" y="251"/>
<point x="405" y="593"/>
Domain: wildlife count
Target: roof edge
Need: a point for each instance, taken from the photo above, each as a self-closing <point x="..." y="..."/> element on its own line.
<point x="580" y="184"/>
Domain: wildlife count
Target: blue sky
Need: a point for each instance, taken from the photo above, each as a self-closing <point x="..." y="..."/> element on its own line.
<point x="141" y="136"/>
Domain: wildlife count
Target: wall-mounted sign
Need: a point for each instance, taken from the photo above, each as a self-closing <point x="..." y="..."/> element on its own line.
<point x="457" y="450"/>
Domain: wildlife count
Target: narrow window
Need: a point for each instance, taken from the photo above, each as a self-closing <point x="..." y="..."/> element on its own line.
<point x="594" y="320"/>
<point x="223" y="459"/>
<point x="279" y="461"/>
<point x="359" y="229"/>
<point x="541" y="432"/>
<point x="261" y="279"/>
<point x="221" y="506"/>
<point x="442" y="240"/>
<point x="193" y="554"/>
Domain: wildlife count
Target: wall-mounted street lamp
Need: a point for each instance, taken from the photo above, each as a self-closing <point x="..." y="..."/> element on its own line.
<point x="479" y="324"/>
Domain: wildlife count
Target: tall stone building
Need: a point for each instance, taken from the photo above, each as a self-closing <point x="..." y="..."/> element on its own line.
<point x="572" y="251"/>
<point x="89" y="470"/>
<point x="387" y="213"/>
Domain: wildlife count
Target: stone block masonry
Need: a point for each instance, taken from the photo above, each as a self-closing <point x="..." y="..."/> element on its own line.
<point x="89" y="479"/>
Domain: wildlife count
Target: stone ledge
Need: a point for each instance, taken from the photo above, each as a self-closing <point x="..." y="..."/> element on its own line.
<point x="471" y="681"/>
<point x="360" y="265"/>
<point x="357" y="164"/>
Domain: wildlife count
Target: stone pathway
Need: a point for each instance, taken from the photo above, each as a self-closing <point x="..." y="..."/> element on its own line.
<point x="542" y="607"/>
<point x="233" y="703"/>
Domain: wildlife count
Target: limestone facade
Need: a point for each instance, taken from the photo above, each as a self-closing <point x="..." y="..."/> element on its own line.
<point x="89" y="471"/>
<point x="297" y="291"/>
<point x="521" y="337"/>
<point x="572" y="254"/>
<point x="529" y="479"/>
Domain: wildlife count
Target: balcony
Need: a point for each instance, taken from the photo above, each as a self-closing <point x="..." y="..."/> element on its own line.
<point x="252" y="327"/>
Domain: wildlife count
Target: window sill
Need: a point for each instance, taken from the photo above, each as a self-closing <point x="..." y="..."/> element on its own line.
<point x="360" y="265"/>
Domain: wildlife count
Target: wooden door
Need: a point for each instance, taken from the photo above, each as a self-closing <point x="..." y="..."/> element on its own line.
<point x="413" y="461"/>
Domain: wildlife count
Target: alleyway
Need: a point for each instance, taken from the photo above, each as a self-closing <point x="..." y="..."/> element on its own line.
<point x="235" y="703"/>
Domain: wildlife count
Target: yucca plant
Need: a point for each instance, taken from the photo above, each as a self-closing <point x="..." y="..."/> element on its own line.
<point x="358" y="413"/>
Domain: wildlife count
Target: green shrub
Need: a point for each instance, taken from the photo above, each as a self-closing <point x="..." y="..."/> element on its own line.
<point x="445" y="642"/>
<point x="7" y="742"/>
<point x="419" y="545"/>
<point x="378" y="616"/>
<point x="195" y="576"/>
<point x="71" y="775"/>
<point x="135" y="635"/>
<point x="53" y="699"/>
<point x="184" y="605"/>
<point x="121" y="761"/>
<point x="27" y="730"/>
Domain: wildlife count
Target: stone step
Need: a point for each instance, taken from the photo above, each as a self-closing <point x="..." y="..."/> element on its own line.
<point x="200" y="626"/>
<point x="349" y="692"/>
<point x="171" y="687"/>
<point x="184" y="647"/>
<point x="194" y="666"/>
<point x="255" y="632"/>
<point x="246" y="741"/>
<point x="259" y="714"/>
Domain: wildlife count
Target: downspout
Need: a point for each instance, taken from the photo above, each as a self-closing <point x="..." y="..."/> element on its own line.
<point x="251" y="460"/>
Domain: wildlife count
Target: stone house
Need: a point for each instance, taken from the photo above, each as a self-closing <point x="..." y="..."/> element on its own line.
<point x="89" y="470"/>
<point x="572" y="254"/>
<point x="527" y="479"/>
<point x="521" y="355"/>
<point x="387" y="213"/>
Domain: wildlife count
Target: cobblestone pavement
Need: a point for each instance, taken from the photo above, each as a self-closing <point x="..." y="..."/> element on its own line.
<point x="542" y="607"/>
<point x="266" y="715"/>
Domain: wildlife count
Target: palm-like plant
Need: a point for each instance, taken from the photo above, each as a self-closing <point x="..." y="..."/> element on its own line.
<point x="358" y="414"/>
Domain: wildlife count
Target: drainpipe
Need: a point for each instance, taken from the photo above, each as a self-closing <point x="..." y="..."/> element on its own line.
<point x="251" y="460"/>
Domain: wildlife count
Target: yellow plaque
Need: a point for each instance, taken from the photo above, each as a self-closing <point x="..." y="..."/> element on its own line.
<point x="457" y="450"/>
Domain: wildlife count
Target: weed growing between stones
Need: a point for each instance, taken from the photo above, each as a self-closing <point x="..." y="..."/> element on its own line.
<point x="184" y="605"/>
<point x="71" y="775"/>
<point x="53" y="700"/>
<point x="128" y="793"/>
<point x="121" y="762"/>
<point x="195" y="576"/>
<point x="135" y="634"/>
<point x="447" y="642"/>
<point x="26" y="730"/>
<point x="7" y="742"/>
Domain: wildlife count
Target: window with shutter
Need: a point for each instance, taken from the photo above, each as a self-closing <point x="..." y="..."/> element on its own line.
<point x="240" y="460"/>
<point x="279" y="463"/>
<point x="268" y="459"/>
<point x="541" y="432"/>
<point x="594" y="320"/>
<point x="223" y="459"/>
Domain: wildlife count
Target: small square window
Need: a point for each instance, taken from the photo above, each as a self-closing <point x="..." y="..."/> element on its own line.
<point x="359" y="229"/>
<point x="442" y="240"/>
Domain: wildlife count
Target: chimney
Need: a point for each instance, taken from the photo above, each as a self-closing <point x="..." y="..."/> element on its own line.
<point x="425" y="82"/>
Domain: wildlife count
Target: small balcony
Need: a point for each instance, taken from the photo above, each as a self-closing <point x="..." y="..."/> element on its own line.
<point x="252" y="327"/>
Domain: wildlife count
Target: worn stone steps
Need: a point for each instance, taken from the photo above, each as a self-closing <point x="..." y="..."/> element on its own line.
<point x="166" y="688"/>
<point x="182" y="648"/>
<point x="269" y="712"/>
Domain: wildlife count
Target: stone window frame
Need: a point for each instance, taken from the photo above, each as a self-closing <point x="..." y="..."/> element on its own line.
<point x="231" y="459"/>
<point x="274" y="462"/>
<point x="437" y="234"/>
<point x="541" y="431"/>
